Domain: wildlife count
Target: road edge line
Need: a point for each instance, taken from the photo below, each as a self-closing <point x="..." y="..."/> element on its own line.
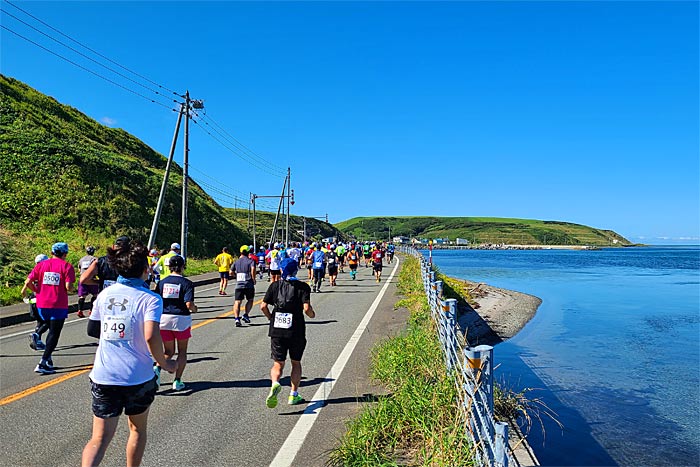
<point x="289" y="450"/>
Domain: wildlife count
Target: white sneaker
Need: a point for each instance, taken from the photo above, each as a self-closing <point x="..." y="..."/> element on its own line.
<point x="178" y="385"/>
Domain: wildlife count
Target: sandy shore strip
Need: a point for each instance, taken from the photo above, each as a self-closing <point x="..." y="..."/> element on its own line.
<point x="495" y="314"/>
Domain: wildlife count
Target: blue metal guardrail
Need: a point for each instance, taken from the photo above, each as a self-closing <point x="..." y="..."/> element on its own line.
<point x="472" y="371"/>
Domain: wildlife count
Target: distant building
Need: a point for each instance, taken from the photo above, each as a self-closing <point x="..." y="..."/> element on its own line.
<point x="462" y="241"/>
<point x="401" y="239"/>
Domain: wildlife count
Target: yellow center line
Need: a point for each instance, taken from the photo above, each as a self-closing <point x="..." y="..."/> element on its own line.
<point x="42" y="386"/>
<point x="73" y="374"/>
<point x="224" y="315"/>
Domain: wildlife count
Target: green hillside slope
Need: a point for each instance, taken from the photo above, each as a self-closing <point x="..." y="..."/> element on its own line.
<point x="482" y="230"/>
<point x="315" y="229"/>
<point x="64" y="176"/>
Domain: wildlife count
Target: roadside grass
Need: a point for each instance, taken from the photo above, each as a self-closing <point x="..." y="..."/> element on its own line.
<point x="418" y="423"/>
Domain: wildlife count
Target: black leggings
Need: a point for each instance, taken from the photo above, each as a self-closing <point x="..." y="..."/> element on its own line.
<point x="55" y="327"/>
<point x="41" y="327"/>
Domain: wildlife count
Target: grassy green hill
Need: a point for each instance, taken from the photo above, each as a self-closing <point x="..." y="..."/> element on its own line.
<point x="315" y="229"/>
<point x="64" y="176"/>
<point x="482" y="230"/>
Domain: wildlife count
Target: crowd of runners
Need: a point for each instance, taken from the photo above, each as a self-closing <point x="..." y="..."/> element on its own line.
<point x="140" y="310"/>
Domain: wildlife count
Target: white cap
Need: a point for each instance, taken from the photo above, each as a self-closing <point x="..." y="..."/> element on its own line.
<point x="40" y="258"/>
<point x="175" y="246"/>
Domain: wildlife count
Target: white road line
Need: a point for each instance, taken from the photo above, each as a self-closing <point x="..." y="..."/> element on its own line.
<point x="292" y="445"/>
<point x="77" y="320"/>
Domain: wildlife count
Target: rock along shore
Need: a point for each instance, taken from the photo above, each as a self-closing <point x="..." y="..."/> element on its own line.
<point x="495" y="314"/>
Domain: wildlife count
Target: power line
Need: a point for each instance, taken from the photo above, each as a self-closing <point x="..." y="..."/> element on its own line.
<point x="88" y="70"/>
<point x="262" y="165"/>
<point x="85" y="56"/>
<point x="252" y="153"/>
<point x="243" y="196"/>
<point x="92" y="50"/>
<point x="235" y="152"/>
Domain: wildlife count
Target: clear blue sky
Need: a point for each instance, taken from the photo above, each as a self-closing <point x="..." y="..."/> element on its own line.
<point x="584" y="112"/>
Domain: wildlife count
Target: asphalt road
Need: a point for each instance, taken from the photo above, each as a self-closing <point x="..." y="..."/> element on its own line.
<point x="221" y="417"/>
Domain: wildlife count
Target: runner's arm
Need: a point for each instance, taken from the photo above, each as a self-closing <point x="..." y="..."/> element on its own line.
<point x="309" y="310"/>
<point x="151" y="330"/>
<point x="89" y="273"/>
<point x="265" y="310"/>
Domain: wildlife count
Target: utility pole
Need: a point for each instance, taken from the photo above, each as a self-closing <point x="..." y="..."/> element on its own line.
<point x="289" y="195"/>
<point x="185" y="175"/>
<point x="252" y="201"/>
<point x="161" y="197"/>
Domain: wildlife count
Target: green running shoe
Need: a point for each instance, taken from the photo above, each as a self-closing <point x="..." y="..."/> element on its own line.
<point x="271" y="400"/>
<point x="294" y="400"/>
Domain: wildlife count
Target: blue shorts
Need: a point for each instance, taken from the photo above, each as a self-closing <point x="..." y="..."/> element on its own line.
<point x="223" y="275"/>
<point x="53" y="313"/>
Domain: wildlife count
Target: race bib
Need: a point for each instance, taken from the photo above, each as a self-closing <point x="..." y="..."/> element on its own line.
<point x="331" y="260"/>
<point x="52" y="278"/>
<point x="116" y="328"/>
<point x="107" y="283"/>
<point x="318" y="264"/>
<point x="171" y="290"/>
<point x="283" y="320"/>
<point x="242" y="276"/>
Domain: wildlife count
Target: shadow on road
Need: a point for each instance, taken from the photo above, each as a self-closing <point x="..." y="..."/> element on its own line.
<point x="192" y="387"/>
<point x="311" y="406"/>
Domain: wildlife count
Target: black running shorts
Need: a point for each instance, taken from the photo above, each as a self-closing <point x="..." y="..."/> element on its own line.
<point x="377" y="266"/>
<point x="281" y="345"/>
<point x="109" y="401"/>
<point x="240" y="294"/>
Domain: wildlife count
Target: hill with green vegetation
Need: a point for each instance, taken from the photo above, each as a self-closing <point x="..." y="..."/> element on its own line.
<point x="479" y="230"/>
<point x="264" y="221"/>
<point x="66" y="177"/>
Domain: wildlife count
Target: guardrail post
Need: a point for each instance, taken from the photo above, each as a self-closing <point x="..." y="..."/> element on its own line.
<point x="480" y="360"/>
<point x="449" y="308"/>
<point x="439" y="288"/>
<point x="501" y="445"/>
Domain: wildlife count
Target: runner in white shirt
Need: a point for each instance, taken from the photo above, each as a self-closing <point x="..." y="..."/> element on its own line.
<point x="126" y="318"/>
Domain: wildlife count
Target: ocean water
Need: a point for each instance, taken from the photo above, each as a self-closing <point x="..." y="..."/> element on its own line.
<point x="614" y="349"/>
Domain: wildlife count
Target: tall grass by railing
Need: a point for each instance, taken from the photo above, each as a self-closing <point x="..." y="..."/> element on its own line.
<point x="418" y="422"/>
<point x="471" y="370"/>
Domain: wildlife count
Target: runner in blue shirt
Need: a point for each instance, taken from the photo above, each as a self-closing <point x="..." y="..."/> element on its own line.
<point x="318" y="264"/>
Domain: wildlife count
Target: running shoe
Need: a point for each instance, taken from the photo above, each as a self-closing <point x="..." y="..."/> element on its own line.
<point x="223" y="292"/>
<point x="40" y="345"/>
<point x="178" y="385"/>
<point x="33" y="339"/>
<point x="44" y="369"/>
<point x="271" y="400"/>
<point x="294" y="400"/>
<point x="80" y="314"/>
<point x="238" y="322"/>
<point x="246" y="319"/>
<point x="156" y="370"/>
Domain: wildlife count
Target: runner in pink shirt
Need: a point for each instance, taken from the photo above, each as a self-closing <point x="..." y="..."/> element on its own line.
<point x="51" y="280"/>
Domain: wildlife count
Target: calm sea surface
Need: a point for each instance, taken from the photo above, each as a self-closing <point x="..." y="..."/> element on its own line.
<point x="613" y="349"/>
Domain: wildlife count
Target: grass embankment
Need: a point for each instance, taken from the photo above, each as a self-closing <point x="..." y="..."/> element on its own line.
<point x="17" y="257"/>
<point x="418" y="423"/>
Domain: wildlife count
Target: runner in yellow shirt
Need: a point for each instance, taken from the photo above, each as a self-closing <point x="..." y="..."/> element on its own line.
<point x="224" y="262"/>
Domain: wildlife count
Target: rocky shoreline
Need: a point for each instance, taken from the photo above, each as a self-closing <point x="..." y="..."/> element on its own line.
<point x="494" y="314"/>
